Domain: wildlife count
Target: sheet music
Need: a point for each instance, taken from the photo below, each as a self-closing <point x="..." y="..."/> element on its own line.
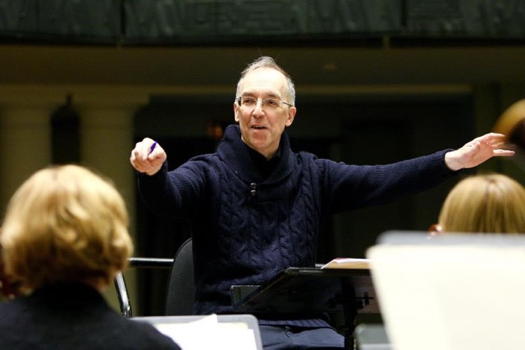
<point x="451" y="297"/>
<point x="209" y="333"/>
<point x="347" y="263"/>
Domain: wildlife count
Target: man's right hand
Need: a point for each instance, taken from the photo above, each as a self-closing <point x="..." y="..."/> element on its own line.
<point x="147" y="156"/>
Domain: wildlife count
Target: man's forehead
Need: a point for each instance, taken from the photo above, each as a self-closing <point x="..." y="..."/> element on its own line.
<point x="266" y="81"/>
<point x="263" y="92"/>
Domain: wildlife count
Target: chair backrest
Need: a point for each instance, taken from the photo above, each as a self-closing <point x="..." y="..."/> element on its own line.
<point x="181" y="288"/>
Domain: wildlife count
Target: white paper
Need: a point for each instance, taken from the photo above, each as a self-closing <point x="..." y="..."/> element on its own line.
<point x="346" y="263"/>
<point x="209" y="333"/>
<point x="451" y="297"/>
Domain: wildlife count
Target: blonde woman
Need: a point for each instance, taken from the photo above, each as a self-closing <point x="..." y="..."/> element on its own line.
<point x="64" y="237"/>
<point x="484" y="203"/>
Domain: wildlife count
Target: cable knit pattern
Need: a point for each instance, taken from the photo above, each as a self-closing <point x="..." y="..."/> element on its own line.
<point x="246" y="229"/>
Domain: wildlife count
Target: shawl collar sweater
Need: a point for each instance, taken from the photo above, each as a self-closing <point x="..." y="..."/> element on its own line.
<point x="247" y="227"/>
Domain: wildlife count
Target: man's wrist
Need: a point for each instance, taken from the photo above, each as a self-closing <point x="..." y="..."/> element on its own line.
<point x="151" y="172"/>
<point x="452" y="161"/>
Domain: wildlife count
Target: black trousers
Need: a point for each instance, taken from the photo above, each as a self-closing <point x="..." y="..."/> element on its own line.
<point x="299" y="338"/>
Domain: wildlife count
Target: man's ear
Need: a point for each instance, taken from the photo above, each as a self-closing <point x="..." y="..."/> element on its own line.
<point x="236" y="112"/>
<point x="291" y="116"/>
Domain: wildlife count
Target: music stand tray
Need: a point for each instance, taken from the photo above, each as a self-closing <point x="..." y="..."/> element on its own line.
<point x="304" y="290"/>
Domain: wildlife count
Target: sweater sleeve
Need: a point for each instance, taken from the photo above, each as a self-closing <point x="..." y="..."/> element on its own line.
<point x="354" y="186"/>
<point x="175" y="193"/>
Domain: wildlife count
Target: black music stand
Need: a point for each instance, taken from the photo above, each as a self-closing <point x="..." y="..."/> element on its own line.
<point x="305" y="291"/>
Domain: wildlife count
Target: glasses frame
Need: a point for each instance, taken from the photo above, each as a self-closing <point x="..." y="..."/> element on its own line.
<point x="239" y="100"/>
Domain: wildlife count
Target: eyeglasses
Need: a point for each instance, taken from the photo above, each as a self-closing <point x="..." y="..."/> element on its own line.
<point x="269" y="103"/>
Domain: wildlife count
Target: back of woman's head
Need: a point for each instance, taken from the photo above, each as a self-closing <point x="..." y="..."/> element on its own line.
<point x="65" y="224"/>
<point x="485" y="203"/>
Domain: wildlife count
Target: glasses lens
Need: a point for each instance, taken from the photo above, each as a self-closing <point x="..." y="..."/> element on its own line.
<point x="266" y="103"/>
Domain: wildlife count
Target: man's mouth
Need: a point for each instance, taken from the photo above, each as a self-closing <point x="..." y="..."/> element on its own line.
<point x="258" y="127"/>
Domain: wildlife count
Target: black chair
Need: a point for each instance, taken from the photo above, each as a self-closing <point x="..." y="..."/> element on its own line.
<point x="181" y="289"/>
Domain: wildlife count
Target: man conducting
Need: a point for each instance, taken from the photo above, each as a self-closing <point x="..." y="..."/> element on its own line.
<point x="256" y="206"/>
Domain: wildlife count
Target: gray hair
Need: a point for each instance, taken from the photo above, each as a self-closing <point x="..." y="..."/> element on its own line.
<point x="267" y="62"/>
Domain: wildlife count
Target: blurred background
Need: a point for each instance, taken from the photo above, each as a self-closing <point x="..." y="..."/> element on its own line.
<point x="377" y="81"/>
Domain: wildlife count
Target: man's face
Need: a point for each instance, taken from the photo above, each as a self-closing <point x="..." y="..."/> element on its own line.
<point x="262" y="116"/>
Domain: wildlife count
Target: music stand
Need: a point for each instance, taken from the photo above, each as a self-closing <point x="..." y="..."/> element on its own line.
<point x="305" y="291"/>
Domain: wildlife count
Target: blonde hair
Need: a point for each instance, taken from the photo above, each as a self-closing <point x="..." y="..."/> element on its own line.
<point x="510" y="121"/>
<point x="267" y="62"/>
<point x="65" y="224"/>
<point x="484" y="203"/>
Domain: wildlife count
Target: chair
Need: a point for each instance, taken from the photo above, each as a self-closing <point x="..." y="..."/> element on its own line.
<point x="181" y="289"/>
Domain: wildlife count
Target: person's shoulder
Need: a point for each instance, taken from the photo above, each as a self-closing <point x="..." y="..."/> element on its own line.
<point x="203" y="157"/>
<point x="6" y="309"/>
<point x="312" y="159"/>
<point x="14" y="316"/>
<point x="202" y="160"/>
<point x="204" y="163"/>
<point x="11" y="307"/>
<point x="304" y="156"/>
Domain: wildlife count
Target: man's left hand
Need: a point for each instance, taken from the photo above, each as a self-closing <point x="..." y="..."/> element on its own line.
<point x="477" y="151"/>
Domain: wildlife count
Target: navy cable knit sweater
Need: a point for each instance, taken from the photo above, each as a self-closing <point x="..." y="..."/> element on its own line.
<point x="247" y="227"/>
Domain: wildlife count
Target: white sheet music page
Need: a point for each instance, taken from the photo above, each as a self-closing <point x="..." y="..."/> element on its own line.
<point x="347" y="263"/>
<point x="209" y="333"/>
<point x="451" y="297"/>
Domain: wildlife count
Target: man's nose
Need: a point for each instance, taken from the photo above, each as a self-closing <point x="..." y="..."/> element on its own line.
<point x="258" y="109"/>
